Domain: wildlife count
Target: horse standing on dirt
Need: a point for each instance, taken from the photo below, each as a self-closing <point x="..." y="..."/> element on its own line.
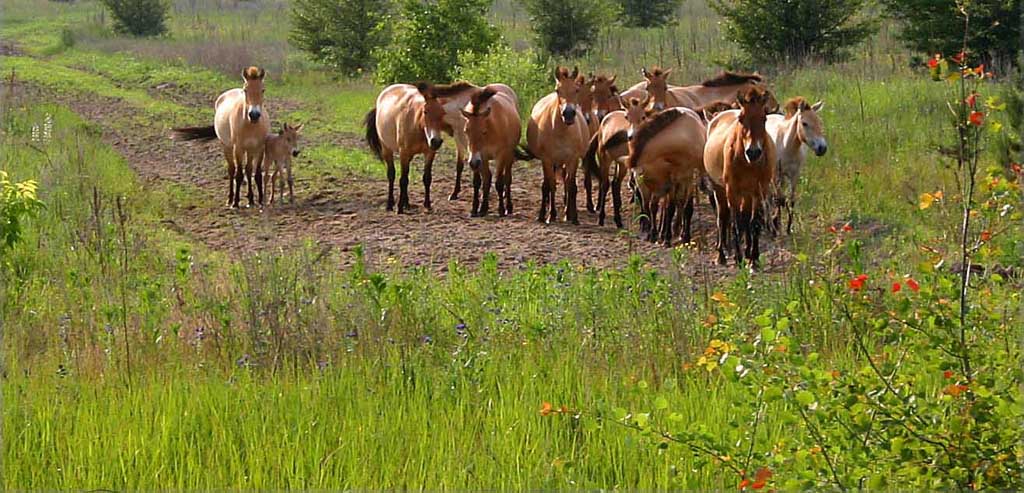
<point x="740" y="160"/>
<point x="801" y="128"/>
<point x="604" y="98"/>
<point x="557" y="134"/>
<point x="654" y="88"/>
<point x="281" y="148"/>
<point x="493" y="129"/>
<point x="610" y="145"/>
<point x="407" y="120"/>
<point x="242" y="125"/>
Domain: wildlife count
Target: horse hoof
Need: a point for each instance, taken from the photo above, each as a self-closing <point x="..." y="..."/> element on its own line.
<point x="454" y="196"/>
<point x="575" y="221"/>
<point x="426" y="205"/>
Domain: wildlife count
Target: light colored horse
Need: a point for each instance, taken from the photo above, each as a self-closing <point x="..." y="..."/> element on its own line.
<point x="740" y="160"/>
<point x="281" y="148"/>
<point x="666" y="154"/>
<point x="557" y="134"/>
<point x="406" y="120"/>
<point x="242" y="125"/>
<point x="799" y="130"/>
<point x="493" y="129"/>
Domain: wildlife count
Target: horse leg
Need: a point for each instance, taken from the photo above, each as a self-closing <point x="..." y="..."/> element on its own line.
<point x="259" y="175"/>
<point x="403" y="184"/>
<point x="545" y="185"/>
<point x="229" y="156"/>
<point x="291" y="181"/>
<point x="428" y="166"/>
<point x="508" y="186"/>
<point x="499" y="184"/>
<point x="249" y="166"/>
<point x="724" y="215"/>
<point x="485" y="178"/>
<point x="477" y="180"/>
<point x="755" y="240"/>
<point x="790" y="202"/>
<point x="459" y="163"/>
<point x="571" y="212"/>
<point x="688" y="219"/>
<point x="239" y="175"/>
<point x="587" y="185"/>
<point x="668" y="221"/>
<point x="652" y="207"/>
<point x="389" y="158"/>
<point x="271" y="178"/>
<point x="620" y="174"/>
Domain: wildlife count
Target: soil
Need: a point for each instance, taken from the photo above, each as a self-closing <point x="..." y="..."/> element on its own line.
<point x="344" y="211"/>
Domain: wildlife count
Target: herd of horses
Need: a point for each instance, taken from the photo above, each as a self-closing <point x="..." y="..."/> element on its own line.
<point x="725" y="135"/>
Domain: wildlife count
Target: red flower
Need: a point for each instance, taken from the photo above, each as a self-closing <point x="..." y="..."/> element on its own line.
<point x="858" y="282"/>
<point x="744" y="484"/>
<point x="913" y="285"/>
<point x="947" y="374"/>
<point x="896" y="287"/>
<point x="1016" y="168"/>
<point x="763" y="474"/>
<point x="986" y="235"/>
<point x="977" y="118"/>
<point x="847" y="227"/>
<point x="972" y="100"/>
<point x="757" y="485"/>
<point x="832" y="229"/>
<point x="959" y="57"/>
<point x="933" y="63"/>
<point x="980" y="70"/>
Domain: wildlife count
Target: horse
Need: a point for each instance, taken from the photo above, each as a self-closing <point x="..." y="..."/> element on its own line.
<point x="604" y="99"/>
<point x="740" y="160"/>
<point x="801" y="128"/>
<point x="242" y="125"/>
<point x="724" y="87"/>
<point x="493" y="129"/>
<point x="281" y="148"/>
<point x="610" y="145"/>
<point x="407" y="120"/>
<point x="557" y="134"/>
<point x="656" y="86"/>
<point x="666" y="154"/>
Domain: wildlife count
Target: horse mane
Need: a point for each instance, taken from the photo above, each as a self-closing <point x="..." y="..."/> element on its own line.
<point x="650" y="129"/>
<point x="732" y="79"/>
<point x="796" y="104"/>
<point x="254" y="72"/>
<point x="657" y="71"/>
<point x="448" y="90"/>
<point x="479" y="99"/>
<point x="711" y="109"/>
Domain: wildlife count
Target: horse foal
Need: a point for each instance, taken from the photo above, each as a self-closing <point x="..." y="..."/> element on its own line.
<point x="281" y="148"/>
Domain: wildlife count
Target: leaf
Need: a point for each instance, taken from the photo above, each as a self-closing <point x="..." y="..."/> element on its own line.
<point x="782" y="324"/>
<point x="768" y="334"/>
<point x="661" y="403"/>
<point x="720" y="297"/>
<point x="925" y="201"/>
<point x="805" y="398"/>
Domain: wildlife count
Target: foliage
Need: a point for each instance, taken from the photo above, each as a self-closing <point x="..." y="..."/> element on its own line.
<point x="429" y="37"/>
<point x="521" y="70"/>
<point x="648" y="13"/>
<point x="138" y="17"/>
<point x="568" y="27"/>
<point x="340" y="33"/>
<point x="18" y="201"/>
<point x="935" y="26"/>
<point x="795" y="31"/>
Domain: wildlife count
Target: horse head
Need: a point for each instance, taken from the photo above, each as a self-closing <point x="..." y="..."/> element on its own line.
<point x="753" y="115"/>
<point x="567" y="86"/>
<point x="252" y="78"/>
<point x="657" y="85"/>
<point x="431" y="116"/>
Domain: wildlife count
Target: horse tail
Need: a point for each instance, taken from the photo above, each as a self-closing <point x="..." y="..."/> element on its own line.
<point x="372" y="137"/>
<point x="590" y="158"/>
<point x="523" y="153"/>
<point x="202" y="134"/>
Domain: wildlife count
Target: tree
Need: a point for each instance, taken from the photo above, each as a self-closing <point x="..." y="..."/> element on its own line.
<point x="648" y="13"/>
<point x="429" y="38"/>
<point x="795" y="30"/>
<point x="568" y="27"/>
<point x="340" y="33"/>
<point x="935" y="26"/>
<point x="138" y="17"/>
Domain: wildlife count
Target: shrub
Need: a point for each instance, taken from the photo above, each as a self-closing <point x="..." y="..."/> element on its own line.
<point x="138" y="17"/>
<point x="648" y="13"/>
<point x="429" y="37"/>
<point x="568" y="27"/>
<point x="17" y="202"/>
<point x="794" y="30"/>
<point x="340" y="33"/>
<point x="521" y="70"/>
<point x="931" y="26"/>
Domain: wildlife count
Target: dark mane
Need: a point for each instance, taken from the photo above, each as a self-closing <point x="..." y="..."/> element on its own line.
<point x="449" y="90"/>
<point x="650" y="129"/>
<point x="711" y="109"/>
<point x="796" y="104"/>
<point x="657" y="71"/>
<point x="479" y="99"/>
<point x="732" y="79"/>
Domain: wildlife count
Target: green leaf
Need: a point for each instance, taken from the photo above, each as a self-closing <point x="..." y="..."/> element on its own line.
<point x="805" y="398"/>
<point x="767" y="335"/>
<point x="661" y="403"/>
<point x="782" y="324"/>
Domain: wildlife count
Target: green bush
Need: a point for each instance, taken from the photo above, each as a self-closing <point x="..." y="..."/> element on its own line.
<point x="17" y="202"/>
<point x="521" y="70"/>
<point x="568" y="27"/>
<point x="138" y="17"/>
<point x="648" y="13"/>
<point x="429" y="37"/>
<point x="795" y="31"/>
<point x="935" y="26"/>
<point x="340" y="33"/>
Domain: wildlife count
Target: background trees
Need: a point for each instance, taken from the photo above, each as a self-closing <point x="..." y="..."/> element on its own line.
<point x="340" y="33"/>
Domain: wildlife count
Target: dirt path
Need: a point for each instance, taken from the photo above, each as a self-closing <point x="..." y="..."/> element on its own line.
<point x="346" y="211"/>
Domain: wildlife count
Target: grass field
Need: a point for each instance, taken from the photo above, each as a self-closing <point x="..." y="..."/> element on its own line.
<point x="138" y="356"/>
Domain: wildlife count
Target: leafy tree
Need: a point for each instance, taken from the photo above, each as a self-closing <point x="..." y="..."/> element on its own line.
<point x="340" y="33"/>
<point x="648" y="13"/>
<point x="568" y="27"/>
<point x="935" y="26"/>
<point x="795" y="30"/>
<point x="138" y="17"/>
<point x="429" y="38"/>
<point x="522" y="70"/>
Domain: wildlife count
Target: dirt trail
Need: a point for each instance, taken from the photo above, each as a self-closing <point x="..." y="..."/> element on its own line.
<point x="345" y="211"/>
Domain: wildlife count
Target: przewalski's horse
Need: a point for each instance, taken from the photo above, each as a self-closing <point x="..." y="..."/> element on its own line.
<point x="799" y="130"/>
<point x="610" y="145"/>
<point x="557" y="134"/>
<point x="241" y="124"/>
<point x="407" y="120"/>
<point x="724" y="87"/>
<point x="666" y="153"/>
<point x="740" y="160"/>
<point x="277" y="160"/>
<point x="493" y="129"/>
<point x="655" y="88"/>
<point x="605" y="99"/>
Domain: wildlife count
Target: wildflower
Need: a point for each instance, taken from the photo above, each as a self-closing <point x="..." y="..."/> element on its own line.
<point x="847" y="228"/>
<point x="546" y="409"/>
<point x="743" y="484"/>
<point x="896" y="287"/>
<point x="933" y="63"/>
<point x="947" y="374"/>
<point x="835" y="374"/>
<point x="986" y="235"/>
<point x="976" y="118"/>
<point x="761" y="477"/>
<point x="959" y="57"/>
<point x="1016" y="168"/>
<point x="832" y="229"/>
<point x="913" y="285"/>
<point x="972" y="100"/>
<point x="858" y="282"/>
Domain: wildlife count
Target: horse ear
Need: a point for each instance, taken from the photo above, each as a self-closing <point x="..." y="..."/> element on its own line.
<point x="558" y="74"/>
<point x="466" y="113"/>
<point x="645" y="73"/>
<point x="818" y="106"/>
<point x="575" y="72"/>
<point x="285" y="127"/>
<point x="262" y="73"/>
<point x="666" y="74"/>
<point x="611" y="80"/>
<point x="486" y="112"/>
<point x="297" y="128"/>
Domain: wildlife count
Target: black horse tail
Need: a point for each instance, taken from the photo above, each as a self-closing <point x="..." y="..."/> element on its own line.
<point x="590" y="158"/>
<point x="523" y="153"/>
<point x="202" y="134"/>
<point x="372" y="137"/>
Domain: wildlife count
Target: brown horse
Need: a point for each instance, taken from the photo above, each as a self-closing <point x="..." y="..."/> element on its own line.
<point x="666" y="154"/>
<point x="493" y="129"/>
<point x="242" y="125"/>
<point x="407" y="120"/>
<point x="557" y="134"/>
<point x="656" y="88"/>
<point x="740" y="160"/>
<point x="610" y="145"/>
<point x="281" y="148"/>
<point x="724" y="87"/>
<point x="604" y="99"/>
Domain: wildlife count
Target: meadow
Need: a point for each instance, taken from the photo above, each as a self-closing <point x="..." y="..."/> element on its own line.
<point x="138" y="355"/>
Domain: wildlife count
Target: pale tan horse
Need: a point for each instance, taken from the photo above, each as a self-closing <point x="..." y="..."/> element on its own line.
<point x="242" y="125"/>
<point x="493" y="129"/>
<point x="610" y="146"/>
<point x="799" y="130"/>
<point x="666" y="154"/>
<point x="408" y="121"/>
<point x="654" y="87"/>
<point x="740" y="160"/>
<point x="281" y="148"/>
<point x="557" y="134"/>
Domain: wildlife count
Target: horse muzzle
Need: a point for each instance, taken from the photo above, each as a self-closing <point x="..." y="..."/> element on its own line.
<point x="820" y="149"/>
<point x="295" y="153"/>
<point x="753" y="154"/>
<point x="435" y="143"/>
<point x="569" y="115"/>
<point x="475" y="163"/>
<point x="254" y="115"/>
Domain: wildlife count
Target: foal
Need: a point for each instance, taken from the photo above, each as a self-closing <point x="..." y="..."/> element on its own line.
<point x="281" y="148"/>
<point x="801" y="128"/>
